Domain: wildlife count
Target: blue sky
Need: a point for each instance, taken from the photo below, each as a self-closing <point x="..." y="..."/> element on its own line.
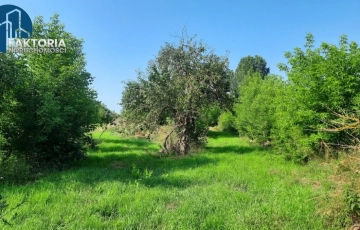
<point x="122" y="36"/>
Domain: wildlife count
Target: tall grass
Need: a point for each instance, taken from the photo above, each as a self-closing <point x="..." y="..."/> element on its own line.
<point x="124" y="185"/>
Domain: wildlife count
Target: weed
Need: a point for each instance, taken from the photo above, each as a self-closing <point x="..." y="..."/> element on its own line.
<point x="147" y="173"/>
<point x="352" y="200"/>
<point x="135" y="172"/>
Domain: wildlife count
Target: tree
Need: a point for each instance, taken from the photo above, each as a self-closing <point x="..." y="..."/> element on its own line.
<point x="49" y="106"/>
<point x="211" y="115"/>
<point x="247" y="66"/>
<point x="106" y="117"/>
<point x="180" y="83"/>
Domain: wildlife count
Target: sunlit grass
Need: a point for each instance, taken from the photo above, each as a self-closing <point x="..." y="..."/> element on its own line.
<point x="124" y="185"/>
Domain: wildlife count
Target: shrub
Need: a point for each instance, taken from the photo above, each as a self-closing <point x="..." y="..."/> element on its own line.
<point x="211" y="115"/>
<point x="14" y="169"/>
<point x="226" y="122"/>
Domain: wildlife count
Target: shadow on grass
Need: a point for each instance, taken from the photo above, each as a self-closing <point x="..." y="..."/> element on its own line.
<point x="128" y="141"/>
<point x="218" y="134"/>
<point x="120" y="145"/>
<point x="104" y="164"/>
<point x="233" y="149"/>
<point x="230" y="148"/>
<point x="119" y="167"/>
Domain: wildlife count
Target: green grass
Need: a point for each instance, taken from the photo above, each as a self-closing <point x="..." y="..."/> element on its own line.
<point x="230" y="185"/>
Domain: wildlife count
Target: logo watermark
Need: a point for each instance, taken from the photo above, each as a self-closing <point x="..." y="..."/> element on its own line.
<point x="16" y="31"/>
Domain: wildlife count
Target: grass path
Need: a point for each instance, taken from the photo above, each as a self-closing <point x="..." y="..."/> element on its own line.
<point x="121" y="185"/>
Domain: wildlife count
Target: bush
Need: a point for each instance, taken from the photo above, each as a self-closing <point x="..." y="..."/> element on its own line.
<point x="286" y="134"/>
<point x="14" y="169"/>
<point x="226" y="122"/>
<point x="211" y="115"/>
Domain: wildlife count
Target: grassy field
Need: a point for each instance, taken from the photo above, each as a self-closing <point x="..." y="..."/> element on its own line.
<point x="123" y="185"/>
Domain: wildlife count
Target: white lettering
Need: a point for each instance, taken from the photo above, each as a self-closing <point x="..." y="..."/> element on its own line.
<point x="26" y="43"/>
<point x="50" y="43"/>
<point x="33" y="41"/>
<point x="18" y="43"/>
<point x="62" y="43"/>
<point x="42" y="43"/>
<point x="11" y="42"/>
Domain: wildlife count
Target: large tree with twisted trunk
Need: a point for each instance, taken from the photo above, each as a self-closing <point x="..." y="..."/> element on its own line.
<point x="179" y="84"/>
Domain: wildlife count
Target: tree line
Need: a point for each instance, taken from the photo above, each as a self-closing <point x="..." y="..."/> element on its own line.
<point x="315" y="111"/>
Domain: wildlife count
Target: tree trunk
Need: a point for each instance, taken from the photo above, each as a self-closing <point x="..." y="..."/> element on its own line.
<point x="184" y="145"/>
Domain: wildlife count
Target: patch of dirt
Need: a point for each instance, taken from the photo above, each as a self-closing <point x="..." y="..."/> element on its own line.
<point x="171" y="205"/>
<point x="316" y="185"/>
<point x="241" y="188"/>
<point x="117" y="165"/>
<point x="276" y="172"/>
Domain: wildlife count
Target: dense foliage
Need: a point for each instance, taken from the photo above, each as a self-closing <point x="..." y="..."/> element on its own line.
<point x="47" y="106"/>
<point x="227" y="122"/>
<point x="307" y="113"/>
